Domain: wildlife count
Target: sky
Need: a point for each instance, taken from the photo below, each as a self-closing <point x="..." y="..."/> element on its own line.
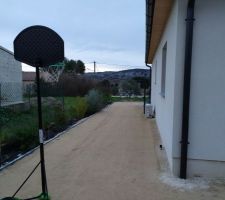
<point x="112" y="33"/>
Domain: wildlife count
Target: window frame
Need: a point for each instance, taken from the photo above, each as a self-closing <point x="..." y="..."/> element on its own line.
<point x="163" y="72"/>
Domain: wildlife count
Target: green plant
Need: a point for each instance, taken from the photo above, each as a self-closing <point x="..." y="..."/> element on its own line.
<point x="80" y="107"/>
<point x="60" y="116"/>
<point x="94" y="100"/>
<point x="20" y="130"/>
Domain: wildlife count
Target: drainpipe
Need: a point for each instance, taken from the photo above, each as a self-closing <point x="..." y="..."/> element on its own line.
<point x="186" y="88"/>
<point x="150" y="82"/>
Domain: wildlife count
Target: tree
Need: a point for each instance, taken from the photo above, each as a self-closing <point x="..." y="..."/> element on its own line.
<point x="115" y="89"/>
<point x="80" y="67"/>
<point x="73" y="66"/>
<point x="104" y="87"/>
<point x="144" y="82"/>
<point x="130" y="87"/>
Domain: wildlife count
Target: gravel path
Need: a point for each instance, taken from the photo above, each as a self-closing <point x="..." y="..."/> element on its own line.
<point x="111" y="156"/>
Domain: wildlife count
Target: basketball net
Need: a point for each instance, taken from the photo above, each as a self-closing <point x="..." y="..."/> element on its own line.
<point x="52" y="73"/>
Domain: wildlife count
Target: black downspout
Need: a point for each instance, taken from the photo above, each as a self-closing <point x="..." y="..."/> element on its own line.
<point x="150" y="82"/>
<point x="144" y="98"/>
<point x="186" y="88"/>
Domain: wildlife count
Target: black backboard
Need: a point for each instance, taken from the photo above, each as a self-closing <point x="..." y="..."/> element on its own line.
<point x="38" y="46"/>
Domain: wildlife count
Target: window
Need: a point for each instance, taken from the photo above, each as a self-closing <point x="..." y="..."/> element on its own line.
<point x="155" y="79"/>
<point x="163" y="75"/>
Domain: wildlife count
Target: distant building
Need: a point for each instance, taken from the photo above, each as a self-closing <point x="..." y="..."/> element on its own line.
<point x="28" y="78"/>
<point x="29" y="82"/>
<point x="10" y="78"/>
<point x="185" y="45"/>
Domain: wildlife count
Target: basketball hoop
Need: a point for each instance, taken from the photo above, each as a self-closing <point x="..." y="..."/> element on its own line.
<point x="53" y="72"/>
<point x="39" y="46"/>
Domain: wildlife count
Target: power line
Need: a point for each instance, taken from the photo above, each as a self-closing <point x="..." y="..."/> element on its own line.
<point x="110" y="64"/>
<point x="121" y="65"/>
<point x="89" y="69"/>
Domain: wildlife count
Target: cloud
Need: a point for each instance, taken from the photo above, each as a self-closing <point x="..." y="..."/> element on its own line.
<point x="105" y="31"/>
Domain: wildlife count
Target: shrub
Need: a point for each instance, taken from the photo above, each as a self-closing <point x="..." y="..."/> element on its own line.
<point x="81" y="107"/>
<point x="21" y="130"/>
<point x="94" y="100"/>
<point x="60" y="116"/>
<point x="4" y="116"/>
<point x="78" y="108"/>
<point x="78" y="85"/>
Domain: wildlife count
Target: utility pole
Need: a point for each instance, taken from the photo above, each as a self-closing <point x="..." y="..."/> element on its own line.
<point x="94" y="67"/>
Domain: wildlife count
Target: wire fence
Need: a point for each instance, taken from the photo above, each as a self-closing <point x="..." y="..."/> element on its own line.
<point x="63" y="104"/>
<point x="11" y="93"/>
<point x="18" y="117"/>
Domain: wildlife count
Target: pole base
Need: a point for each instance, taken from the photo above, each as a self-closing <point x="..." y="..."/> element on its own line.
<point x="10" y="198"/>
<point x="44" y="197"/>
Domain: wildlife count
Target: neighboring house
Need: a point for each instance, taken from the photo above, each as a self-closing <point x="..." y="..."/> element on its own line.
<point x="29" y="82"/>
<point x="186" y="46"/>
<point x="10" y="78"/>
<point x="29" y="78"/>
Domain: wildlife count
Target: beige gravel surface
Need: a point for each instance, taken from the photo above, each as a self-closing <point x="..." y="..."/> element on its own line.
<point x="111" y="156"/>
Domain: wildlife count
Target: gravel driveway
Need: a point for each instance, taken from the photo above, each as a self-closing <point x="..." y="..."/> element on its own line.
<point x="111" y="156"/>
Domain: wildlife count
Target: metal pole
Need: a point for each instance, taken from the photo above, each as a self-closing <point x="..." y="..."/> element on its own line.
<point x="144" y="98"/>
<point x="150" y="83"/>
<point x="94" y="67"/>
<point x="41" y="137"/>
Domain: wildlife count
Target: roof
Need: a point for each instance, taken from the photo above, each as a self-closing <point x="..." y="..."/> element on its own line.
<point x="6" y="50"/>
<point x="157" y="14"/>
<point x="29" y="76"/>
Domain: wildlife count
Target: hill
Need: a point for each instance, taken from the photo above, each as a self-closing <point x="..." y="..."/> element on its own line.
<point x="119" y="75"/>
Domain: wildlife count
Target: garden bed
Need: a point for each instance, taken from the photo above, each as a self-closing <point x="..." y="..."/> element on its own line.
<point x="19" y="130"/>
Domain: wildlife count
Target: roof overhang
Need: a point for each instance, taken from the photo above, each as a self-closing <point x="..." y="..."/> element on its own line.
<point x="157" y="14"/>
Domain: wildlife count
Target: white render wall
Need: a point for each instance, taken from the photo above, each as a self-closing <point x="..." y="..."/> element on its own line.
<point x="10" y="78"/>
<point x="206" y="153"/>
<point x="207" y="111"/>
<point x="165" y="106"/>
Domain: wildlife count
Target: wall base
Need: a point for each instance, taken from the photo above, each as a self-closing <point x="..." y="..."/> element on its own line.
<point x="201" y="168"/>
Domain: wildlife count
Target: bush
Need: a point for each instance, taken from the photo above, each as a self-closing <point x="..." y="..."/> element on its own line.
<point x="4" y="116"/>
<point x="78" y="85"/>
<point x="21" y="130"/>
<point x="94" y="100"/>
<point x="54" y="115"/>
<point x="79" y="108"/>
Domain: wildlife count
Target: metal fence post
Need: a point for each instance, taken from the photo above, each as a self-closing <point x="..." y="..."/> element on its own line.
<point x="63" y="100"/>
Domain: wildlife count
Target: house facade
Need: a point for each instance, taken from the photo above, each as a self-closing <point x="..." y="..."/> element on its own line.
<point x="185" y="44"/>
<point x="10" y="78"/>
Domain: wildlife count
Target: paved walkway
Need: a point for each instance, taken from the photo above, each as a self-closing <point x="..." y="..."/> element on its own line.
<point x="111" y="156"/>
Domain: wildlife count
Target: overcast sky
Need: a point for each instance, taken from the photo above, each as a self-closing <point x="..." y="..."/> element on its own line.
<point x="105" y="31"/>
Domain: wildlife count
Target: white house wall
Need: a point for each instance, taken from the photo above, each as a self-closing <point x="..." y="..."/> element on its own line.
<point x="207" y="112"/>
<point x="165" y="106"/>
<point x="206" y="152"/>
<point x="10" y="78"/>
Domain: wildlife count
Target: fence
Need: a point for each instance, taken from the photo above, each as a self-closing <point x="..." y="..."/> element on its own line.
<point x="11" y="93"/>
<point x="18" y="123"/>
<point x="18" y="107"/>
